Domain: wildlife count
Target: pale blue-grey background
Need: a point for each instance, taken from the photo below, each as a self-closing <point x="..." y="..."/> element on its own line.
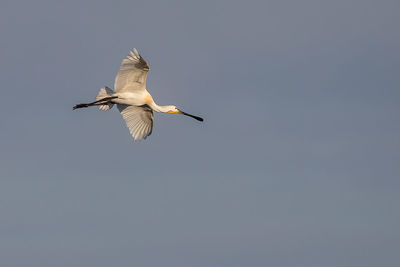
<point x="296" y="163"/>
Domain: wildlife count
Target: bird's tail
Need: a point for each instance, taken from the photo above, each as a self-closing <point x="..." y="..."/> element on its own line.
<point x="105" y="92"/>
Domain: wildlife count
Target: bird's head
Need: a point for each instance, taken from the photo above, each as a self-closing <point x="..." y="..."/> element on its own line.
<point x="174" y="109"/>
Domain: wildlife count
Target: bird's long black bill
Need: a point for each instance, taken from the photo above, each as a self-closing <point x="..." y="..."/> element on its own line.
<point x="190" y="115"/>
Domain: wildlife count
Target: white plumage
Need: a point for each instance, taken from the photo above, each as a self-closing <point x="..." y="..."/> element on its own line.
<point x="132" y="73"/>
<point x="132" y="98"/>
<point x="139" y="120"/>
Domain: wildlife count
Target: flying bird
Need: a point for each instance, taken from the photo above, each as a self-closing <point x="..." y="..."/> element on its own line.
<point x="132" y="98"/>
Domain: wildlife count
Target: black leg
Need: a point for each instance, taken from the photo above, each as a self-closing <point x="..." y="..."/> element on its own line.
<point x="102" y="101"/>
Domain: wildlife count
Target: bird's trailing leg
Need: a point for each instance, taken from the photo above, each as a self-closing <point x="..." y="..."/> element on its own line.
<point x="103" y="101"/>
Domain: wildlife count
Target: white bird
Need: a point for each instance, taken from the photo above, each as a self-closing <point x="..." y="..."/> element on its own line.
<point x="132" y="98"/>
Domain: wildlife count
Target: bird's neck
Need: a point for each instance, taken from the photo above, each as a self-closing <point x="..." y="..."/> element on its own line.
<point x="158" y="108"/>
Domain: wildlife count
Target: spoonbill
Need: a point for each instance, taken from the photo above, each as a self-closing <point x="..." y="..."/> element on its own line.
<point x="132" y="98"/>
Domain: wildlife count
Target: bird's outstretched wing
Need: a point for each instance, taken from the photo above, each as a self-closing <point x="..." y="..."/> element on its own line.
<point x="132" y="73"/>
<point x="139" y="120"/>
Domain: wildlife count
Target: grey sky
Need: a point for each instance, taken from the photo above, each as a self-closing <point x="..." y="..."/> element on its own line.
<point x="296" y="164"/>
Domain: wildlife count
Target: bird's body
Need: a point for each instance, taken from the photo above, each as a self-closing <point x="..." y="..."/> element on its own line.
<point x="132" y="98"/>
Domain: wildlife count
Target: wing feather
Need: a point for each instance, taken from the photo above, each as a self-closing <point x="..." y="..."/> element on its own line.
<point x="132" y="73"/>
<point x="139" y="131"/>
<point x="139" y="120"/>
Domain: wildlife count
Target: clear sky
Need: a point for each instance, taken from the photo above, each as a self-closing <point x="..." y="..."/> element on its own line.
<point x="296" y="164"/>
